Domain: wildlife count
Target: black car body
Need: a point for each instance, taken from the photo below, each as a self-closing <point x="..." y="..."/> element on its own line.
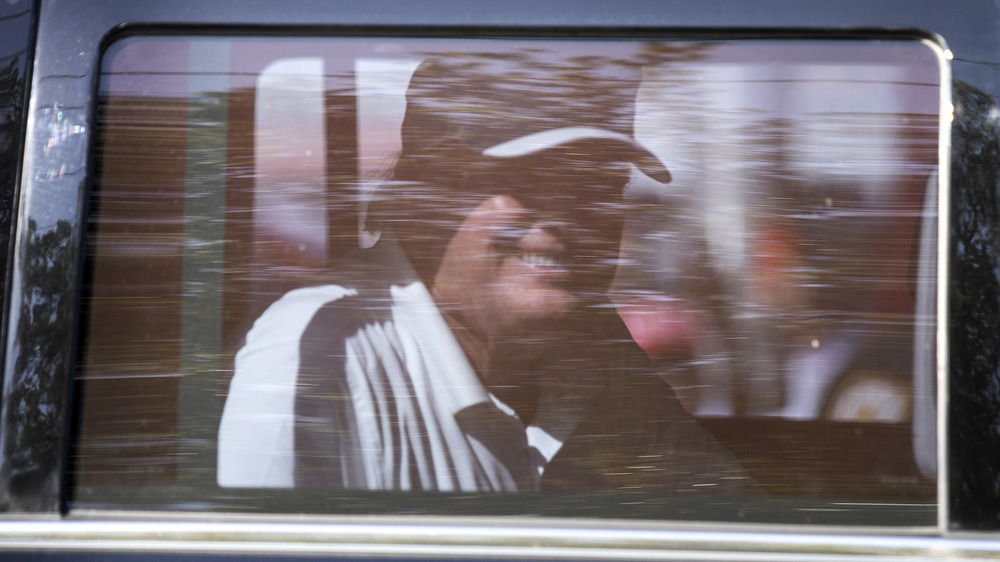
<point x="155" y="495"/>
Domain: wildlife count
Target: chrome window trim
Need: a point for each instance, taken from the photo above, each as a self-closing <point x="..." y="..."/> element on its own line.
<point x="944" y="243"/>
<point x="488" y="538"/>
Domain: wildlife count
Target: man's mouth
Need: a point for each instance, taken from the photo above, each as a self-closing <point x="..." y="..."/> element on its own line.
<point x="537" y="250"/>
<point x="552" y="267"/>
<point x="542" y="260"/>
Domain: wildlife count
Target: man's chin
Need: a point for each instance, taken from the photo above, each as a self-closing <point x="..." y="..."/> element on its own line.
<point x="541" y="304"/>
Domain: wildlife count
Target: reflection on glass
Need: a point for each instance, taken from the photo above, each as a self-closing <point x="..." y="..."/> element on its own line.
<point x="289" y="161"/>
<point x="669" y="268"/>
<point x="31" y="446"/>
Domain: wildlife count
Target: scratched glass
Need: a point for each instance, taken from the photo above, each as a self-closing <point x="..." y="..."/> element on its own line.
<point x="657" y="269"/>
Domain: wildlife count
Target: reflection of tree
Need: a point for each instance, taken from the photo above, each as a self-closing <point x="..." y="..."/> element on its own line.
<point x="975" y="312"/>
<point x="35" y="404"/>
<point x="11" y="87"/>
<point x="11" y="95"/>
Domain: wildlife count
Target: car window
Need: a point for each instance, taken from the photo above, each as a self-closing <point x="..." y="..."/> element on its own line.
<point x="358" y="273"/>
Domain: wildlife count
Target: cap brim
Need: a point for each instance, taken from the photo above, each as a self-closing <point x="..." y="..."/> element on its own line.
<point x="646" y="161"/>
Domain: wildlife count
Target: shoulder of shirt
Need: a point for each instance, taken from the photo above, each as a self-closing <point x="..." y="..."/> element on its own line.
<point x="360" y="291"/>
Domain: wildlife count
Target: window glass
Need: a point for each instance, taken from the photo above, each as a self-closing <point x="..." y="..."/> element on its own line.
<point x="374" y="269"/>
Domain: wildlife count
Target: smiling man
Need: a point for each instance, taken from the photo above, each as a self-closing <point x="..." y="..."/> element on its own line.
<point x="474" y="347"/>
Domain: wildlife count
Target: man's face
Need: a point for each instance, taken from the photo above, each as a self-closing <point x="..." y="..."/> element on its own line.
<point x="526" y="259"/>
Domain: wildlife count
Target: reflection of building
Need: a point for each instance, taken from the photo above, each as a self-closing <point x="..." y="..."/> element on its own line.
<point x="790" y="245"/>
<point x="789" y="274"/>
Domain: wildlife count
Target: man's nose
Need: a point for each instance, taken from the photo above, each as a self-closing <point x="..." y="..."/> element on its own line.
<point x="551" y="232"/>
